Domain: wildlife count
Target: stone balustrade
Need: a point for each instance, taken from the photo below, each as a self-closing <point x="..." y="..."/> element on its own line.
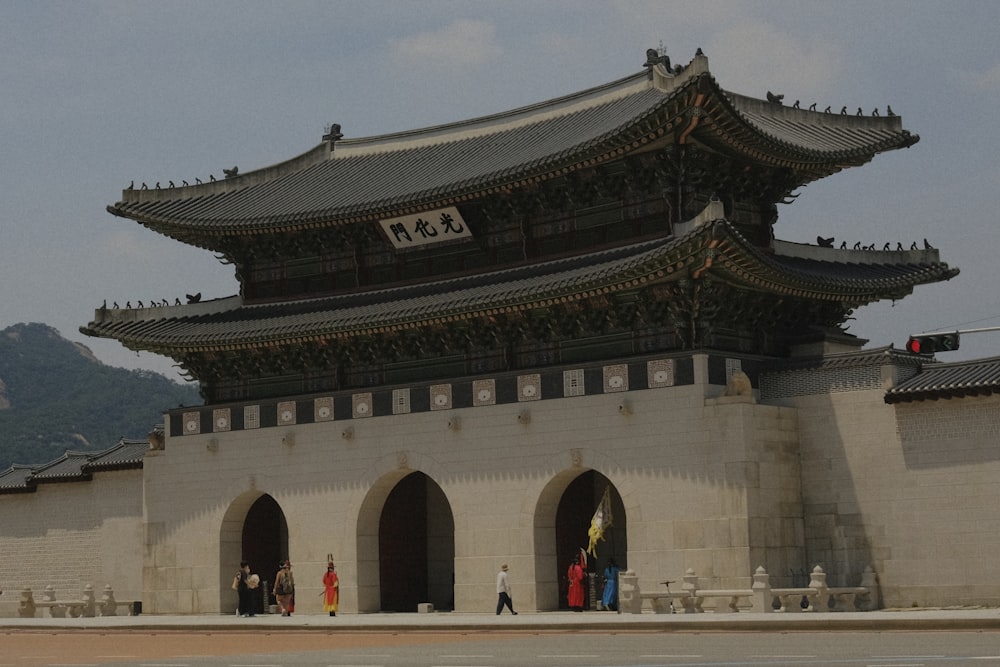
<point x="87" y="605"/>
<point x="760" y="597"/>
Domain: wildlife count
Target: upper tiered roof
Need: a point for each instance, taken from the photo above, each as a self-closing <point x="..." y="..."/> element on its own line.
<point x="344" y="181"/>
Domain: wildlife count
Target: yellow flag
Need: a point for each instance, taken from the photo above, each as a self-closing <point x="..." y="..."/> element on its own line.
<point x="600" y="522"/>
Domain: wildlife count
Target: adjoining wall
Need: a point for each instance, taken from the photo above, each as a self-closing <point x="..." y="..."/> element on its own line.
<point x="69" y="535"/>
<point x="943" y="526"/>
<point x="908" y="488"/>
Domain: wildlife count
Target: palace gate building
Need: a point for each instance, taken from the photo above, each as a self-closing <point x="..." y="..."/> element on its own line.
<point x="449" y="342"/>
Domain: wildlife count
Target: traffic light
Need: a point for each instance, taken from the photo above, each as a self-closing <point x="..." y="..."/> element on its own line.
<point x="931" y="343"/>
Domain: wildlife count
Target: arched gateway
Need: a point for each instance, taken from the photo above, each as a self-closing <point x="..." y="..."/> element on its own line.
<point x="254" y="529"/>
<point x="410" y="520"/>
<point x="562" y="518"/>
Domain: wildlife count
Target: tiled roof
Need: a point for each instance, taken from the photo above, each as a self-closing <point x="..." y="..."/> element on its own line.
<point x="867" y="357"/>
<point x="383" y="176"/>
<point x="979" y="377"/>
<point x="16" y="478"/>
<point x="825" y="136"/>
<point x="844" y="271"/>
<point x="67" y="467"/>
<point x="74" y="466"/>
<point x="126" y="454"/>
<point x="228" y="324"/>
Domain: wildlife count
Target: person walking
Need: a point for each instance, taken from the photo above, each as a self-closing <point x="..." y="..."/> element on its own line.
<point x="503" y="591"/>
<point x="331" y="590"/>
<point x="284" y="588"/>
<point x="241" y="583"/>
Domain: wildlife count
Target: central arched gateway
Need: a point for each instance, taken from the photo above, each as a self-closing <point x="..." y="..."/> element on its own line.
<point x="416" y="547"/>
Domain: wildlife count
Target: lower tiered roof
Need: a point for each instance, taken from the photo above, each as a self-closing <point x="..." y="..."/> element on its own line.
<point x="711" y="248"/>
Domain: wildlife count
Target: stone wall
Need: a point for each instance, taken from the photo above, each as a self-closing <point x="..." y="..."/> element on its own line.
<point x="820" y="471"/>
<point x="68" y="535"/>
<point x="909" y="488"/>
<point x="707" y="482"/>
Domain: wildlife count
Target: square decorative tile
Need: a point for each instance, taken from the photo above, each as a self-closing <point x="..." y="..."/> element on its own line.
<point x="660" y="373"/>
<point x="251" y="416"/>
<point x="192" y="423"/>
<point x="441" y="397"/>
<point x="573" y="383"/>
<point x="615" y="378"/>
<point x="484" y="392"/>
<point x="400" y="401"/>
<point x="361" y="405"/>
<point x="323" y="409"/>
<point x="286" y="412"/>
<point x="221" y="420"/>
<point x="529" y="387"/>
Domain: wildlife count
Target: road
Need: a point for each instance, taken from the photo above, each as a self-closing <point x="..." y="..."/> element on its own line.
<point x="40" y="648"/>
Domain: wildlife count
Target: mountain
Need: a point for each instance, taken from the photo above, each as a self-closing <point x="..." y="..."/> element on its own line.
<point x="56" y="396"/>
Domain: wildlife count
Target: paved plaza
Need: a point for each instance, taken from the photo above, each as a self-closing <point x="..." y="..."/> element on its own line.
<point x="908" y="619"/>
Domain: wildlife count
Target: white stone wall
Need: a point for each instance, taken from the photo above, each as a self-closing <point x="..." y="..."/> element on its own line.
<point x="718" y="484"/>
<point x="911" y="488"/>
<point x="68" y="535"/>
<point x="708" y="484"/>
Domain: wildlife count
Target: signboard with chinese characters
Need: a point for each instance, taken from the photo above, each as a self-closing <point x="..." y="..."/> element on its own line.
<point x="422" y="229"/>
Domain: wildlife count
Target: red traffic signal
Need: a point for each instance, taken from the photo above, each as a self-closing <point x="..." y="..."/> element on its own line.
<point x="931" y="343"/>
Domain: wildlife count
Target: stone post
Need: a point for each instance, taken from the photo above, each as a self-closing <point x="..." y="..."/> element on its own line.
<point x="26" y="608"/>
<point x="817" y="582"/>
<point x="89" y="608"/>
<point x="761" y="598"/>
<point x="49" y="595"/>
<point x="869" y="580"/>
<point x="629" y="601"/>
<point x="692" y="605"/>
<point x="108" y="606"/>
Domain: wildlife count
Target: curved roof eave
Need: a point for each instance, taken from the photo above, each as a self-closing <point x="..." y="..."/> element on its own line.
<point x="870" y="275"/>
<point x="378" y="173"/>
<point x="793" y="136"/>
<point x="716" y="247"/>
<point x="171" y="217"/>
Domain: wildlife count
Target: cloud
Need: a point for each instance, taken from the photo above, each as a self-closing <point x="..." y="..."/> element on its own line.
<point x="986" y="80"/>
<point x="759" y="55"/>
<point x="461" y="45"/>
<point x="125" y="243"/>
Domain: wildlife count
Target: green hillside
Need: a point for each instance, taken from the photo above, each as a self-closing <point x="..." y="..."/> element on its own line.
<point x="55" y="395"/>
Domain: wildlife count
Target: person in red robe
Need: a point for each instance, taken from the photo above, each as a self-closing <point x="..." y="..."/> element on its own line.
<point x="331" y="590"/>
<point x="575" y="595"/>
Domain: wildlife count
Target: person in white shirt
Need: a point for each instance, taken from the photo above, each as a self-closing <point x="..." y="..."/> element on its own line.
<point x="503" y="591"/>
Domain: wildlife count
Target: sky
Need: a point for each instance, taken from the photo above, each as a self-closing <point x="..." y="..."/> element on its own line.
<point x="95" y="94"/>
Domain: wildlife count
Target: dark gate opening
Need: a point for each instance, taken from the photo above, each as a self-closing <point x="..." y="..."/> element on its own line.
<point x="264" y="545"/>
<point x="573" y="514"/>
<point x="416" y="547"/>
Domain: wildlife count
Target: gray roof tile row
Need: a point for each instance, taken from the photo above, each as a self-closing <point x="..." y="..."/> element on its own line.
<point x="380" y="176"/>
<point x="234" y="324"/>
<point x="74" y="466"/>
<point x="980" y="377"/>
